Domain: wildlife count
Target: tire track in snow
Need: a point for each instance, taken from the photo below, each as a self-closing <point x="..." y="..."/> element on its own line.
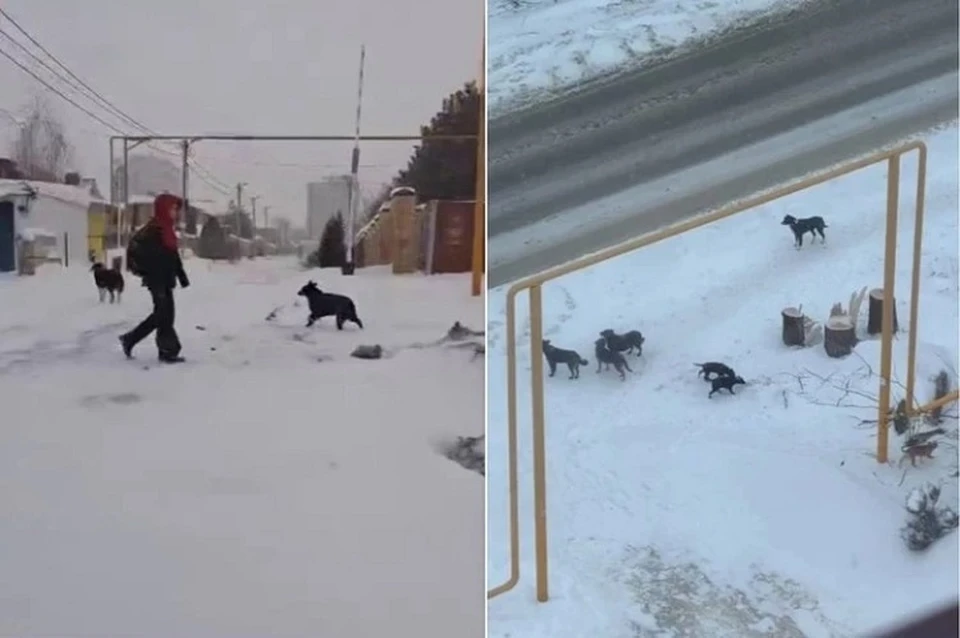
<point x="47" y="352"/>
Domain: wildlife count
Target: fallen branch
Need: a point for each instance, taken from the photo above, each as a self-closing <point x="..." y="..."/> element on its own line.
<point x="846" y="388"/>
<point x="834" y="405"/>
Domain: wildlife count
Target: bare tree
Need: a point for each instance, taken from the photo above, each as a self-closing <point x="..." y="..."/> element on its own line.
<point x="41" y="149"/>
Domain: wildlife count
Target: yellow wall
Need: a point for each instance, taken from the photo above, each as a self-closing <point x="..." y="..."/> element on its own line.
<point x="96" y="235"/>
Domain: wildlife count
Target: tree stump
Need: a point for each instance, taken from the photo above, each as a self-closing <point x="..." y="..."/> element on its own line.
<point x="875" y="313"/>
<point x="839" y="336"/>
<point x="793" y="328"/>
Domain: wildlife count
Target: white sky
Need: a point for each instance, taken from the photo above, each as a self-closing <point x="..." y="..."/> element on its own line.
<point x="239" y="66"/>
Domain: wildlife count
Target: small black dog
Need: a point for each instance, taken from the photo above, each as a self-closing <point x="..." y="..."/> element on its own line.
<point x="625" y="342"/>
<point x="325" y="304"/>
<point x="609" y="357"/>
<point x="108" y="281"/>
<point x="800" y="227"/>
<point x="557" y="356"/>
<point x="725" y="382"/>
<point x="714" y="367"/>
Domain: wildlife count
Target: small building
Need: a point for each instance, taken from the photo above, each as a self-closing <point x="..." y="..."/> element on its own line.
<point x="14" y="207"/>
<point x="59" y="209"/>
<point x="138" y="210"/>
<point x="101" y="230"/>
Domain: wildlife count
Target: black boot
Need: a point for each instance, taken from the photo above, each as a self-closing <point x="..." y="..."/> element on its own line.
<point x="170" y="358"/>
<point x="126" y="346"/>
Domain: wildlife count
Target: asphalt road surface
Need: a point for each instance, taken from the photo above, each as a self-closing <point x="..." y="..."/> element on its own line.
<point x="775" y="76"/>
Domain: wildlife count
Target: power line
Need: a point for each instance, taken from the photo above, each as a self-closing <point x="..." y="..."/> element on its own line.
<point x="91" y="114"/>
<point x="94" y="116"/>
<point x="304" y="165"/>
<point x="205" y="174"/>
<point x="49" y="87"/>
<point x="89" y="94"/>
<point x="107" y="104"/>
<point x="208" y="178"/>
<point x="79" y="85"/>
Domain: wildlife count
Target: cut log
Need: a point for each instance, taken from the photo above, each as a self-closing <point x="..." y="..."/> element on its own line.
<point x="793" y="327"/>
<point x="875" y="313"/>
<point x="839" y="336"/>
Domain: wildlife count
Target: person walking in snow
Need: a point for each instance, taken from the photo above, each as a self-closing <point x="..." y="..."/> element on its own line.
<point x="154" y="256"/>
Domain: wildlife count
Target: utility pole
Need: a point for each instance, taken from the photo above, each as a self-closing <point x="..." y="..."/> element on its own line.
<point x="185" y="178"/>
<point x="253" y="213"/>
<point x="237" y="213"/>
<point x="126" y="195"/>
<point x="266" y="219"/>
<point x="354" y="200"/>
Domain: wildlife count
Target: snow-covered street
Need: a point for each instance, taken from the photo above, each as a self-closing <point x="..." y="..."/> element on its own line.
<point x="538" y="46"/>
<point x="764" y="513"/>
<point x="271" y="485"/>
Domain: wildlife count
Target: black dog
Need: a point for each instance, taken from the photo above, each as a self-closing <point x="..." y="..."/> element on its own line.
<point x="610" y="357"/>
<point x="800" y="227"/>
<point x="725" y="382"/>
<point x="325" y="304"/>
<point x="714" y="367"/>
<point x="625" y="342"/>
<point x="108" y="281"/>
<point x="557" y="356"/>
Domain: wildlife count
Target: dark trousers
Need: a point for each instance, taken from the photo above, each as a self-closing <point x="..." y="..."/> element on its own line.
<point x="161" y="320"/>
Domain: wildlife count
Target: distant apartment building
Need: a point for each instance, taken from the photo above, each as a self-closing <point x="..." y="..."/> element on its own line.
<point x="324" y="200"/>
<point x="283" y="230"/>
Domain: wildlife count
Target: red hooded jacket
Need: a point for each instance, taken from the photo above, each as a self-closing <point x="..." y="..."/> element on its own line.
<point x="163" y="207"/>
<point x="165" y="266"/>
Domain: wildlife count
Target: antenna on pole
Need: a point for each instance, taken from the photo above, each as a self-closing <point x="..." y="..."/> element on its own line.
<point x="354" y="199"/>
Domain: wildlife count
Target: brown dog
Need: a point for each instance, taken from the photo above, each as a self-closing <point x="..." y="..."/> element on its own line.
<point x="924" y="450"/>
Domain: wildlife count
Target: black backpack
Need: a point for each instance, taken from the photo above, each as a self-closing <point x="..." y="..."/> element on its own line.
<point x="142" y="249"/>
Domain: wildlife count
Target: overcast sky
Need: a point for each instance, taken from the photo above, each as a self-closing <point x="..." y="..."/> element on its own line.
<point x="245" y="66"/>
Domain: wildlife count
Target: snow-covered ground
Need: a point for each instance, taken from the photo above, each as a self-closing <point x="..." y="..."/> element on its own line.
<point x="270" y="486"/>
<point x="760" y="514"/>
<point x="538" y="46"/>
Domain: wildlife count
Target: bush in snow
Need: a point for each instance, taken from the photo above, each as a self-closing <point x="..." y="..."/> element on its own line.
<point x="927" y="522"/>
<point x="331" y="253"/>
<point x="468" y="452"/>
<point x="212" y="243"/>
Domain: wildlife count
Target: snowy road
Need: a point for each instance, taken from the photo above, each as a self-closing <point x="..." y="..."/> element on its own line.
<point x="564" y="156"/>
<point x="270" y="486"/>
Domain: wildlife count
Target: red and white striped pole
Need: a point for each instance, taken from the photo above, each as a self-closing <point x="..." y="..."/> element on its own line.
<point x="354" y="173"/>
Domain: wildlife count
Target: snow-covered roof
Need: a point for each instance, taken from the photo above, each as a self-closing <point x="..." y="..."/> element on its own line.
<point x="203" y="206"/>
<point x="13" y="188"/>
<point x="403" y="190"/>
<point x="77" y="195"/>
<point x="140" y="199"/>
